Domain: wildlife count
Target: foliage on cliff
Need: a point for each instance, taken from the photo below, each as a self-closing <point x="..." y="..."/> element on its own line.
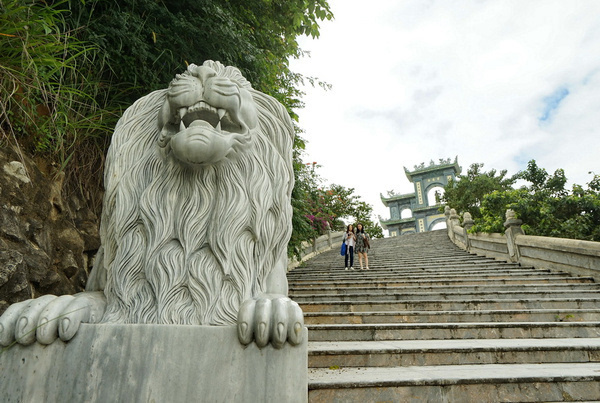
<point x="545" y="205"/>
<point x="53" y="105"/>
<point x="68" y="67"/>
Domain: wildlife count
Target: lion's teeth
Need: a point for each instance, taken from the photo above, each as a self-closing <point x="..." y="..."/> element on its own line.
<point x="218" y="126"/>
<point x="182" y="112"/>
<point x="221" y="113"/>
<point x="203" y="106"/>
<point x="181" y="126"/>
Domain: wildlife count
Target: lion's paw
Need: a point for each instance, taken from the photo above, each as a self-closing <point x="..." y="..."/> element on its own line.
<point x="48" y="317"/>
<point x="270" y="318"/>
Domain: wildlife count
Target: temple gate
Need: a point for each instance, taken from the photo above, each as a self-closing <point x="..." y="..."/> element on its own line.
<point x="419" y="211"/>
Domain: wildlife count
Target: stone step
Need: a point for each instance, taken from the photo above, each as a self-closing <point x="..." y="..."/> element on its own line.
<point x="505" y="315"/>
<point x="371" y="274"/>
<point x="404" y="253"/>
<point x="316" y="275"/>
<point x="409" y="265"/>
<point x="445" y="305"/>
<point x="426" y="287"/>
<point x="449" y="295"/>
<point x="355" y="282"/>
<point x="443" y="331"/>
<point x="429" y="259"/>
<point x="395" y="353"/>
<point x="410" y="257"/>
<point x="350" y="278"/>
<point x="457" y="383"/>
<point x="412" y="265"/>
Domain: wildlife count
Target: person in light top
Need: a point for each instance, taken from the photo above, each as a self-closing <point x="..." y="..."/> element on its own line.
<point x="350" y="239"/>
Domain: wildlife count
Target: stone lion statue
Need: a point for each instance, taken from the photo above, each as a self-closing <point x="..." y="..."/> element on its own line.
<point x="196" y="218"/>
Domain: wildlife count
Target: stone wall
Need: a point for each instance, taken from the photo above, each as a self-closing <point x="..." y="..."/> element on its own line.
<point x="574" y="256"/>
<point x="47" y="243"/>
<point x="316" y="246"/>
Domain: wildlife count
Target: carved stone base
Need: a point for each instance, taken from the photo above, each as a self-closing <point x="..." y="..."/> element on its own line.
<point x="153" y="363"/>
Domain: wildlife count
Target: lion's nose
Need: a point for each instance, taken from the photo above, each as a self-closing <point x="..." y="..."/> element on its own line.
<point x="204" y="73"/>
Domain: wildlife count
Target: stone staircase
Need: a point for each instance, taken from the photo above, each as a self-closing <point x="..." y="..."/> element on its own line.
<point x="432" y="323"/>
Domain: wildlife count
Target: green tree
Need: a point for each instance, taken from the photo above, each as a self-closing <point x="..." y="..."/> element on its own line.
<point x="302" y="229"/>
<point x="546" y="207"/>
<point x="148" y="41"/>
<point x="363" y="213"/>
<point x="466" y="193"/>
<point x="318" y="207"/>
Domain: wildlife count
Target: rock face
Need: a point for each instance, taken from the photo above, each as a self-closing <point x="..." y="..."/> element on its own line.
<point x="47" y="243"/>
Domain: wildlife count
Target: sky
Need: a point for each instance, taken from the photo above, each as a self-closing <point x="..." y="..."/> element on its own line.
<point x="498" y="82"/>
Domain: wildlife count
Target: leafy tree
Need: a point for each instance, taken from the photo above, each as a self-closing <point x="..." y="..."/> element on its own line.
<point x="319" y="208"/>
<point x="302" y="229"/>
<point x="362" y="214"/>
<point x="466" y="193"/>
<point x="148" y="41"/>
<point x="545" y="206"/>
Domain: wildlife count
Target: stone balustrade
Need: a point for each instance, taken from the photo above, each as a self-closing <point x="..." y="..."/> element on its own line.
<point x="574" y="256"/>
<point x="317" y="245"/>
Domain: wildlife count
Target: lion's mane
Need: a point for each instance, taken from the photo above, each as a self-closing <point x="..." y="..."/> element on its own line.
<point x="186" y="245"/>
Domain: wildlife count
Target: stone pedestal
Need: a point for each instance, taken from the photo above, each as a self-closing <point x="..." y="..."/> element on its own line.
<point x="153" y="363"/>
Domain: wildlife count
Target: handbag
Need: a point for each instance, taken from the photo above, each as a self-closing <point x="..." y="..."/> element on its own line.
<point x="366" y="241"/>
<point x="343" y="250"/>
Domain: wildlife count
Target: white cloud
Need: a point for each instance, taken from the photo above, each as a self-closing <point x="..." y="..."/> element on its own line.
<point x="415" y="81"/>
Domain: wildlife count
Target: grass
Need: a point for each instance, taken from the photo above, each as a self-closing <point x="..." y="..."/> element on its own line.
<point x="53" y="102"/>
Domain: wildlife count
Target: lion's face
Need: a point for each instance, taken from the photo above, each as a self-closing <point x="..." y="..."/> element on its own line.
<point x="206" y="116"/>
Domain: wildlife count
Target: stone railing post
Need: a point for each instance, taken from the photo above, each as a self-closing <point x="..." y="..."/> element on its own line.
<point x="454" y="221"/>
<point x="448" y="223"/>
<point x="513" y="229"/>
<point x="467" y="225"/>
<point x="328" y="234"/>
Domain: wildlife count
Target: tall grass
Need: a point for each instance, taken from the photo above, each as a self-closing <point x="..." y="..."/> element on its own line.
<point x="53" y="102"/>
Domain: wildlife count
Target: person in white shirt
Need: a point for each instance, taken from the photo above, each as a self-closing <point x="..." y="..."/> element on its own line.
<point x="350" y="238"/>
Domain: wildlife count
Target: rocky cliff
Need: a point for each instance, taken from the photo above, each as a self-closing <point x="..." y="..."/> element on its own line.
<point x="47" y="242"/>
